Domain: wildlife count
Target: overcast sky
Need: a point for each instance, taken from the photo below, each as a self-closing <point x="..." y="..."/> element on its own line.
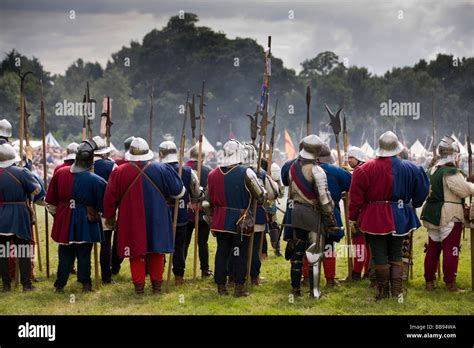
<point x="366" y="33"/>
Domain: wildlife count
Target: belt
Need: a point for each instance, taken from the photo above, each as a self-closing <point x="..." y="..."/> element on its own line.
<point x="400" y="203"/>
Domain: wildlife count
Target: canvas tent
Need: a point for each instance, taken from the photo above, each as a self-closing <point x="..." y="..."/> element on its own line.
<point x="368" y="150"/>
<point x="417" y="150"/>
<point x="51" y="140"/>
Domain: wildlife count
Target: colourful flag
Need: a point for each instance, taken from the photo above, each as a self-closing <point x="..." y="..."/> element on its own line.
<point x="289" y="147"/>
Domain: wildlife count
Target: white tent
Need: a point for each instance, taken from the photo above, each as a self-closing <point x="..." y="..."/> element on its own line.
<point x="206" y="146"/>
<point x="35" y="144"/>
<point x="368" y="150"/>
<point x="417" y="149"/>
<point x="51" y="140"/>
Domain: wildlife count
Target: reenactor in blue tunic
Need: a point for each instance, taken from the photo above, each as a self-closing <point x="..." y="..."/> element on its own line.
<point x="231" y="188"/>
<point x="16" y="185"/>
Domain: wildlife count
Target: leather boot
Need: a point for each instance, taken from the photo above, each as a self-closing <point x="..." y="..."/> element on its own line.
<point x="382" y="276"/>
<point x="86" y="287"/>
<point x="156" y="286"/>
<point x="356" y="276"/>
<point x="296" y="292"/>
<point x="28" y="287"/>
<point x="240" y="291"/>
<point x="139" y="289"/>
<point x="222" y="290"/>
<point x="59" y="290"/>
<point x="178" y="280"/>
<point x="396" y="278"/>
<point x="331" y="283"/>
<point x="452" y="287"/>
<point x="430" y="285"/>
<point x="206" y="274"/>
<point x="7" y="287"/>
<point x="231" y="282"/>
<point x="256" y="281"/>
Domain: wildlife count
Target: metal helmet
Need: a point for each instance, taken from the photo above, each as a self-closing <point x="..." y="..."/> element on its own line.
<point x="194" y="152"/>
<point x="139" y="151"/>
<point x="234" y="153"/>
<point x="448" y="147"/>
<point x="325" y="155"/>
<point x="5" y="128"/>
<point x="250" y="155"/>
<point x="71" y="151"/>
<point x="388" y="145"/>
<point x="275" y="171"/>
<point x="102" y="148"/>
<point x="8" y="156"/>
<point x="357" y="153"/>
<point x="168" y="152"/>
<point x="312" y="146"/>
<point x="84" y="157"/>
<point x="127" y="142"/>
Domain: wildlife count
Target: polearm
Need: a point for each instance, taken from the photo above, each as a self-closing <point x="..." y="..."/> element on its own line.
<point x="176" y="202"/>
<point x="31" y="199"/>
<point x="263" y="133"/>
<point x="308" y="105"/>
<point x="88" y="115"/>
<point x="345" y="139"/>
<point x="21" y="135"/>
<point x="272" y="137"/>
<point x="199" y="166"/>
<point x="89" y="119"/>
<point x="254" y="125"/>
<point x="192" y="119"/>
<point x="269" y="165"/>
<point x="469" y="151"/>
<point x="150" y="125"/>
<point x="108" y="122"/>
<point x="433" y="147"/>
<point x="335" y="122"/>
<point x="45" y="176"/>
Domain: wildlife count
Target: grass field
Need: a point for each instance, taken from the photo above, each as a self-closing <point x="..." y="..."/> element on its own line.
<point x="200" y="297"/>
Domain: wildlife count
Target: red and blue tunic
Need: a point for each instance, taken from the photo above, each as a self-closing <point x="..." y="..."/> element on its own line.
<point x="384" y="194"/>
<point x="66" y="163"/>
<point x="144" y="220"/>
<point x="103" y="167"/>
<point x="71" y="194"/>
<point x="229" y="196"/>
<point x="16" y="184"/>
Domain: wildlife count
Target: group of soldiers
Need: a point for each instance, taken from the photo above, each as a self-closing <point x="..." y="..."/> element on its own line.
<point x="128" y="206"/>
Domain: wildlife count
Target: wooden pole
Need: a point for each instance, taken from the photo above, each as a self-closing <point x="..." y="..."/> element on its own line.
<point x="176" y="202"/>
<point x="199" y="166"/>
<point x="45" y="176"/>
<point x="89" y="134"/>
<point x="261" y="145"/>
<point x="308" y="105"/>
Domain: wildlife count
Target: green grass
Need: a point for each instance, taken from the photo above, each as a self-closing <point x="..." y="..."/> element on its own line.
<point x="200" y="297"/>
